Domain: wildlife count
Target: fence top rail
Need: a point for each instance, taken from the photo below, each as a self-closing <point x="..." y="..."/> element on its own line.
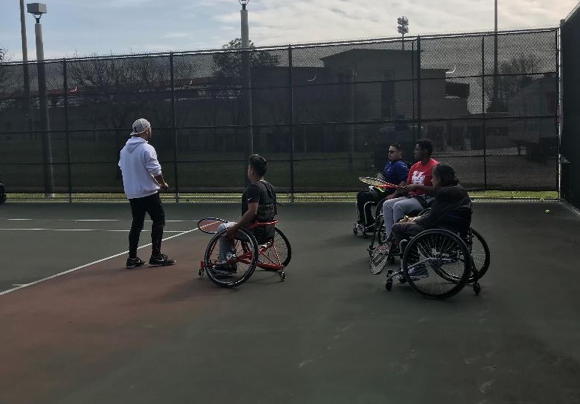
<point x="304" y="45"/>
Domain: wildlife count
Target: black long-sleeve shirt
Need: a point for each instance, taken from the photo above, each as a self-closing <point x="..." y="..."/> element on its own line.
<point x="447" y="200"/>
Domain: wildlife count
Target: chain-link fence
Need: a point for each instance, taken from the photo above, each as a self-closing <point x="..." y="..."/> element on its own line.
<point x="322" y="114"/>
<point x="571" y="109"/>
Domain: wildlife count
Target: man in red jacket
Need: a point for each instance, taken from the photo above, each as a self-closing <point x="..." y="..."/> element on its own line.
<point x="419" y="191"/>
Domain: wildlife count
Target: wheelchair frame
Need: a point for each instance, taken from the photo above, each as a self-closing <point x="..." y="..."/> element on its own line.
<point x="361" y="228"/>
<point x="472" y="276"/>
<point x="255" y="255"/>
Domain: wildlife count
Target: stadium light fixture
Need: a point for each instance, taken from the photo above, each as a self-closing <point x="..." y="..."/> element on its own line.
<point x="403" y="28"/>
<point x="37" y="10"/>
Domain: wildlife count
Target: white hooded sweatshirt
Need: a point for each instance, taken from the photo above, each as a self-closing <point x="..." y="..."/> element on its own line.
<point x="139" y="165"/>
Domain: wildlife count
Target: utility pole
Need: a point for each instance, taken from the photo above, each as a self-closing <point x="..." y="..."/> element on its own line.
<point x="247" y="75"/>
<point x="26" y="74"/>
<point x="37" y="10"/>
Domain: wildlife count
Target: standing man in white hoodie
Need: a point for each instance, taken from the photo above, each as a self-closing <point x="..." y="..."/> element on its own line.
<point x="142" y="179"/>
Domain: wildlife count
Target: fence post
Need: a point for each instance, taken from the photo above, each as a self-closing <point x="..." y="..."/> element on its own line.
<point x="413" y="85"/>
<point x="48" y="167"/>
<point x="173" y="126"/>
<point x="291" y="120"/>
<point x="559" y="108"/>
<point x="66" y="128"/>
<point x="419" y="132"/>
<point x="483" y="114"/>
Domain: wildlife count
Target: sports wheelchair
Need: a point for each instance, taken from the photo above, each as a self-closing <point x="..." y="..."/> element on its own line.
<point x="359" y="227"/>
<point x="247" y="251"/>
<point x="438" y="262"/>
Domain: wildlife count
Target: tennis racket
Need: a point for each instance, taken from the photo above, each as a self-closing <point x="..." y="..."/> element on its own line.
<point x="379" y="259"/>
<point x="209" y="225"/>
<point x="376" y="182"/>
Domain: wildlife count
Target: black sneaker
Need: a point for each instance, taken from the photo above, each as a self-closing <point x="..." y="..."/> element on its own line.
<point x="161" y="260"/>
<point x="134" y="262"/>
<point x="225" y="270"/>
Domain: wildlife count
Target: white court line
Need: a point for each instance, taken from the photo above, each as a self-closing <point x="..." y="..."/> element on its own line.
<point x="82" y="230"/>
<point x="88" y="265"/>
<point x="91" y="220"/>
<point x="98" y="220"/>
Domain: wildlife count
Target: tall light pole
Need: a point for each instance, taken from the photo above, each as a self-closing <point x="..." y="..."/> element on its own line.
<point x="247" y="75"/>
<point x="26" y="74"/>
<point x="37" y="10"/>
<point x="403" y="27"/>
<point x="495" y="102"/>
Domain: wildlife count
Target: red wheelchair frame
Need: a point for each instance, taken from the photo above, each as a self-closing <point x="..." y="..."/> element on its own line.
<point x="264" y="260"/>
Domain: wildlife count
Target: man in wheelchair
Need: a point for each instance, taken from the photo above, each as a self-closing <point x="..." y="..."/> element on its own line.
<point x="396" y="172"/>
<point x="451" y="209"/>
<point x="258" y="205"/>
<point x="419" y="192"/>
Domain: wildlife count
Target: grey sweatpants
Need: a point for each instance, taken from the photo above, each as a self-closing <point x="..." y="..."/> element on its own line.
<point x="395" y="209"/>
<point x="227" y="245"/>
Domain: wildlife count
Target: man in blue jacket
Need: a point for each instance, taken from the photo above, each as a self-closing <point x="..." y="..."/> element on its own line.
<point x="395" y="172"/>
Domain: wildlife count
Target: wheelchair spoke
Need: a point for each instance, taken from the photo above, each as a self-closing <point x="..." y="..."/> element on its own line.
<point x="230" y="262"/>
<point x="276" y="255"/>
<point x="435" y="263"/>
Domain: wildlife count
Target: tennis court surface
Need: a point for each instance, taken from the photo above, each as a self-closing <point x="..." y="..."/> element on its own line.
<point x="330" y="333"/>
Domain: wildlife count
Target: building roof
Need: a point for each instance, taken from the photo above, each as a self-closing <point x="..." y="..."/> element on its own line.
<point x="366" y="52"/>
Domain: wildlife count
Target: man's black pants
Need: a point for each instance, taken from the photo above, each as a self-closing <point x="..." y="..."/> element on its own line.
<point x="367" y="212"/>
<point x="151" y="205"/>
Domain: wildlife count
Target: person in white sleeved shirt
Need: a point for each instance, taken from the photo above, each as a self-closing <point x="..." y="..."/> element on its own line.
<point x="142" y="180"/>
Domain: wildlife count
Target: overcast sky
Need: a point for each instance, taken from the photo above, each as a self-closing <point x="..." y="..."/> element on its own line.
<point x="86" y="27"/>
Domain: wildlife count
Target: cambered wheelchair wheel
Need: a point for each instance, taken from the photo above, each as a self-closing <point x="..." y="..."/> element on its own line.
<point x="436" y="263"/>
<point x="379" y="208"/>
<point x="480" y="255"/>
<point x="240" y="263"/>
<point x="276" y="252"/>
<point x="381" y="236"/>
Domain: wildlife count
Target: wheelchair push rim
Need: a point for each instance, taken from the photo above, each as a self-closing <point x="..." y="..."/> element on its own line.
<point x="240" y="261"/>
<point x="441" y="255"/>
<point x="480" y="255"/>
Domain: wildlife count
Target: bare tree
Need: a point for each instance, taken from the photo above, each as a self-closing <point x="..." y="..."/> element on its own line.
<point x="8" y="82"/>
<point x="515" y="74"/>
<point x="4" y="70"/>
<point x="228" y="74"/>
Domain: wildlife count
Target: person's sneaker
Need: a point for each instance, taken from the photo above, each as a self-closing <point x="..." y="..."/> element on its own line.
<point x="418" y="271"/>
<point x="225" y="269"/>
<point x="161" y="260"/>
<point x="370" y="228"/>
<point x="134" y="263"/>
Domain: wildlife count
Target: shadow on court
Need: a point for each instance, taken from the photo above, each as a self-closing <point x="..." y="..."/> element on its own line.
<point x="330" y="334"/>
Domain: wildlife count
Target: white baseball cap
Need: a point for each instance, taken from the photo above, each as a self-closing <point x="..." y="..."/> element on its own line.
<point x="140" y="126"/>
